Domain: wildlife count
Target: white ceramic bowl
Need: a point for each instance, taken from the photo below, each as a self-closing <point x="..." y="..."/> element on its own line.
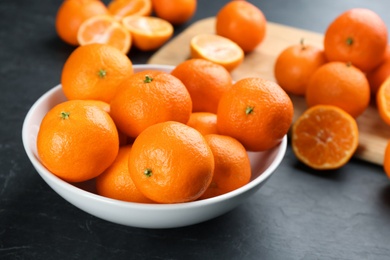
<point x="137" y="214"/>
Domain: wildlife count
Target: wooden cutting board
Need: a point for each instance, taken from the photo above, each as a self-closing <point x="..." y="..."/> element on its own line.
<point x="374" y="133"/>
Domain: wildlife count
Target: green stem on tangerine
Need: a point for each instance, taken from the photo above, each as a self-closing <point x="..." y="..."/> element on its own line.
<point x="102" y="73"/>
<point x="349" y="41"/>
<point x="148" y="79"/>
<point x="64" y="115"/>
<point x="249" y="110"/>
<point x="148" y="172"/>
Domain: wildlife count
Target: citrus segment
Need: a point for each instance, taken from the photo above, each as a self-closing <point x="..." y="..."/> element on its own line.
<point x="217" y="49"/>
<point x="148" y="33"/>
<point x="325" y="137"/>
<point x="106" y="30"/>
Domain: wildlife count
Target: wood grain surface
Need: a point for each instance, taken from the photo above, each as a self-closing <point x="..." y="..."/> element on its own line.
<point x="374" y="133"/>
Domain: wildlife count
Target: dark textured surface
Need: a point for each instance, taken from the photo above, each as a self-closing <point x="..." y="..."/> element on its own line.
<point x="298" y="214"/>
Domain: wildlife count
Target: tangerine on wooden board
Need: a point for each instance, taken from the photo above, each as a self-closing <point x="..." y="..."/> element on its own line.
<point x="72" y="13"/>
<point x="104" y="29"/>
<point x="171" y="162"/>
<point x="77" y="140"/>
<point x="205" y="81"/>
<point x="116" y="183"/>
<point x="256" y="112"/>
<point x="383" y="101"/>
<point x="148" y="33"/>
<point x="232" y="168"/>
<point x="204" y="122"/>
<point x="339" y="84"/>
<point x="378" y="75"/>
<point x="217" y="49"/>
<point x="243" y="23"/>
<point x="175" y="11"/>
<point x="294" y="66"/>
<point x="324" y="137"/>
<point x="122" y="8"/>
<point x="149" y="97"/>
<point x="94" y="71"/>
<point x="358" y="36"/>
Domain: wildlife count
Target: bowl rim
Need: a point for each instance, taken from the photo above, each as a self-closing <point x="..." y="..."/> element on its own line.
<point x="45" y="173"/>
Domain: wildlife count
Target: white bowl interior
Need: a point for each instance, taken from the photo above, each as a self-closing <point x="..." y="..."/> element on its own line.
<point x="263" y="164"/>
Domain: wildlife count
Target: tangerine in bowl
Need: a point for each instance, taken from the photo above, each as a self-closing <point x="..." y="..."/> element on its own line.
<point x="143" y="215"/>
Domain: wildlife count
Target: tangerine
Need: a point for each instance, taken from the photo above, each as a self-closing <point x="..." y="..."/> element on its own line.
<point x="175" y="11"/>
<point x="115" y="182"/>
<point x="232" y="168"/>
<point x="205" y="81"/>
<point x="325" y="137"/>
<point x="94" y="71"/>
<point x="358" y="36"/>
<point x="72" y="13"/>
<point x="243" y="23"/>
<point x="149" y="97"/>
<point x="294" y="66"/>
<point x="77" y="140"/>
<point x="340" y="84"/>
<point x="171" y="162"/>
<point x="204" y="122"/>
<point x="256" y="112"/>
<point x="104" y="29"/>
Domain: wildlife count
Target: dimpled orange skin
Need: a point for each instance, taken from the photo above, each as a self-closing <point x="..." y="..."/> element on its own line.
<point x="358" y="36"/>
<point x="138" y="104"/>
<point x="171" y="162"/>
<point x="294" y="66"/>
<point x="175" y="11"/>
<point x="94" y="72"/>
<point x="115" y="182"/>
<point x="72" y="13"/>
<point x="243" y="23"/>
<point x="78" y="145"/>
<point x="232" y="166"/>
<point x="256" y="112"/>
<point x="205" y="81"/>
<point x="339" y="84"/>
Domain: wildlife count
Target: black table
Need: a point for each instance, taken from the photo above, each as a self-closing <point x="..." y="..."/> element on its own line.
<point x="298" y="214"/>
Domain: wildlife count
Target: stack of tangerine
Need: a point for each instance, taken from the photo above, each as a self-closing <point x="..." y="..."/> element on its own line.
<point x="158" y="137"/>
<point x="122" y="23"/>
<point x="338" y="82"/>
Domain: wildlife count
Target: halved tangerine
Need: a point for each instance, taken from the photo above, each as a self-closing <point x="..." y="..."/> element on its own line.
<point x="104" y="29"/>
<point x="325" y="137"/>
<point x="148" y="33"/>
<point x="123" y="8"/>
<point x="383" y="101"/>
<point x="217" y="49"/>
